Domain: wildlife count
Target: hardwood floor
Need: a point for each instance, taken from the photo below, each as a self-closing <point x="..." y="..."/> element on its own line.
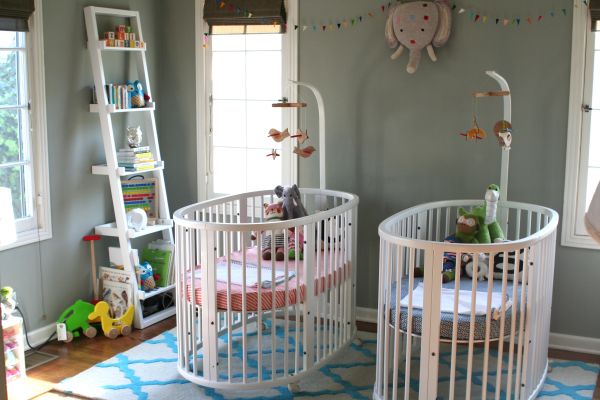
<point x="80" y="355"/>
<point x="83" y="353"/>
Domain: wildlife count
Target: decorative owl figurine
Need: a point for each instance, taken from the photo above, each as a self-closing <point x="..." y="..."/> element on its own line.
<point x="146" y="277"/>
<point x="417" y="25"/>
<point x="136" y="94"/>
<point x="134" y="136"/>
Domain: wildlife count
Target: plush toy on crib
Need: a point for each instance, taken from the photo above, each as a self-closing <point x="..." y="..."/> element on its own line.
<point x="272" y="212"/>
<point x="292" y="208"/>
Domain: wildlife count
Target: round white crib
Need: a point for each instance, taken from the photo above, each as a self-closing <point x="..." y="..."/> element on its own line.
<point x="244" y="322"/>
<point x="444" y="340"/>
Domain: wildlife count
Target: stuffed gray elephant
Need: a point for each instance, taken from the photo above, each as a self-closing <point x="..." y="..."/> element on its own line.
<point x="417" y="25"/>
<point x="292" y="204"/>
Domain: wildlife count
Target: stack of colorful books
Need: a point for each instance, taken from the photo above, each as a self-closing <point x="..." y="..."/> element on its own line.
<point x="136" y="159"/>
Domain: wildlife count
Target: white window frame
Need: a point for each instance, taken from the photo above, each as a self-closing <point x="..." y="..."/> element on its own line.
<point x="42" y="230"/>
<point x="573" y="230"/>
<point x="289" y="72"/>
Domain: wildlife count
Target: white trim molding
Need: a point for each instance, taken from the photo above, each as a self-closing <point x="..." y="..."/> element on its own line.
<point x="40" y="335"/>
<point x="573" y="233"/>
<point x="39" y="137"/>
<point x="579" y="344"/>
<point x="364" y="314"/>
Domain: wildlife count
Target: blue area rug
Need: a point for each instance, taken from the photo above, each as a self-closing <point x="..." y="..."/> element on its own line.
<point x="148" y="372"/>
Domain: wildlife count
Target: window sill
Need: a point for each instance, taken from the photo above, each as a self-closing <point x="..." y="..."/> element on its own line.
<point x="29" y="237"/>
<point x="579" y="241"/>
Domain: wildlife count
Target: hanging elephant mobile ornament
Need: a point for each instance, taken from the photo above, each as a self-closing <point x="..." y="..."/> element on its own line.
<point x="418" y="25"/>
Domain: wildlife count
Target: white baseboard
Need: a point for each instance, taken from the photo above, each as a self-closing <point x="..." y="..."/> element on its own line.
<point x="365" y="314"/>
<point x="40" y="335"/>
<point x="579" y="344"/>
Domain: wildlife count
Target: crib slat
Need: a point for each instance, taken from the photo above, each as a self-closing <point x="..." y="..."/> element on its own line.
<point x="474" y="281"/>
<point x="382" y="347"/>
<point x="286" y="311"/>
<point x="229" y="312"/>
<point x="409" y="329"/>
<point x="319" y="292"/>
<point x="397" y="325"/>
<point x="273" y="303"/>
<point x="502" y="325"/>
<point x="386" y="327"/>
<point x="488" y="315"/>
<point x="259" y="310"/>
<point x="244" y="313"/>
<point x="457" y="274"/>
<point x="513" y="326"/>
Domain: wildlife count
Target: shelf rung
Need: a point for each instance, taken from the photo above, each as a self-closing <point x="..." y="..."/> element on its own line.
<point x="101" y="44"/>
<point x="104" y="170"/>
<point x="156" y="317"/>
<point x="111" y="108"/>
<point x="146" y="295"/>
<point x="111" y="229"/>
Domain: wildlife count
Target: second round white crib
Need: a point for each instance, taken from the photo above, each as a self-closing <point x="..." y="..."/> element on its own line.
<point x="472" y="338"/>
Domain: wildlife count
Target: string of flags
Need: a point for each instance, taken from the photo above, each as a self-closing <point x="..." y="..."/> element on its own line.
<point x="473" y="15"/>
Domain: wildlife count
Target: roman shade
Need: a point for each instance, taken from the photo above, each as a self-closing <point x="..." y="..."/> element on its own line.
<point x="595" y="15"/>
<point x="14" y="14"/>
<point x="245" y="12"/>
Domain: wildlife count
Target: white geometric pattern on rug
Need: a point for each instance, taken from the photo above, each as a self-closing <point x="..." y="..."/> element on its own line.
<point x="148" y="372"/>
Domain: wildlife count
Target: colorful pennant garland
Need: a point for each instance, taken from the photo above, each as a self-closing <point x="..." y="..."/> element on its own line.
<point x="479" y="16"/>
<point x="343" y="23"/>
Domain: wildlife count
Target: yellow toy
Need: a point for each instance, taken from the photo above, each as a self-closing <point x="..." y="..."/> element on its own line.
<point x="112" y="327"/>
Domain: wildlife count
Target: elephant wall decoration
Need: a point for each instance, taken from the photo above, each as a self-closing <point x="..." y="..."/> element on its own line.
<point x="418" y="25"/>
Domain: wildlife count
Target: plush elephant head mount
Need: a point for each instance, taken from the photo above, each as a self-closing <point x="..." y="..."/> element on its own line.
<point x="418" y="25"/>
<point x="292" y="204"/>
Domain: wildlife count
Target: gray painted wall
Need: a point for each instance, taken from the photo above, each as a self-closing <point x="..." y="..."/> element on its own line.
<point x="79" y="200"/>
<point x="393" y="138"/>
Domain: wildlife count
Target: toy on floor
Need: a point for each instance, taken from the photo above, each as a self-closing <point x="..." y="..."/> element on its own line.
<point x="76" y="320"/>
<point x="92" y="239"/>
<point x="417" y="25"/>
<point x="112" y="327"/>
<point x="8" y="298"/>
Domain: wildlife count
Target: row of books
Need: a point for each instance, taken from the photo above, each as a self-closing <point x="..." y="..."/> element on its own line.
<point x="118" y="94"/>
<point x="136" y="159"/>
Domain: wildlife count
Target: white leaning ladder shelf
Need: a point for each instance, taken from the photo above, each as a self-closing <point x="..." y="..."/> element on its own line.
<point x="119" y="228"/>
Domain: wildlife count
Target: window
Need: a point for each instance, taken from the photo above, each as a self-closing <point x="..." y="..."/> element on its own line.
<point x="247" y="68"/>
<point x="23" y="154"/>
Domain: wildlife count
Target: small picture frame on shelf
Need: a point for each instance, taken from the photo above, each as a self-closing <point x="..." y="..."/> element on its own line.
<point x="141" y="193"/>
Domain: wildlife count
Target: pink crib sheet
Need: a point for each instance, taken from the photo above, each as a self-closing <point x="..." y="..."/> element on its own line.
<point x="329" y="276"/>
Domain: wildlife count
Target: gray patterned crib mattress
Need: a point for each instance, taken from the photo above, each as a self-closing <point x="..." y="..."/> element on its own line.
<point x="464" y="320"/>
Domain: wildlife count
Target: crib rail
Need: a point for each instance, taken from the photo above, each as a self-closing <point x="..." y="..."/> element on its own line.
<point x="234" y="329"/>
<point x="469" y="337"/>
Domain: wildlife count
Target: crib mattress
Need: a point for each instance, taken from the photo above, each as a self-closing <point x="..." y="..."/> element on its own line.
<point x="328" y="277"/>
<point x="464" y="320"/>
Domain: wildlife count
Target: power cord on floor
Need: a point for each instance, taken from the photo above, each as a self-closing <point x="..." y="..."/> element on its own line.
<point x="27" y="338"/>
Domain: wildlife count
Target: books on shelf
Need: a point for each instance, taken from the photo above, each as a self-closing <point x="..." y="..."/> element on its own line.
<point x="159" y="255"/>
<point x="136" y="159"/>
